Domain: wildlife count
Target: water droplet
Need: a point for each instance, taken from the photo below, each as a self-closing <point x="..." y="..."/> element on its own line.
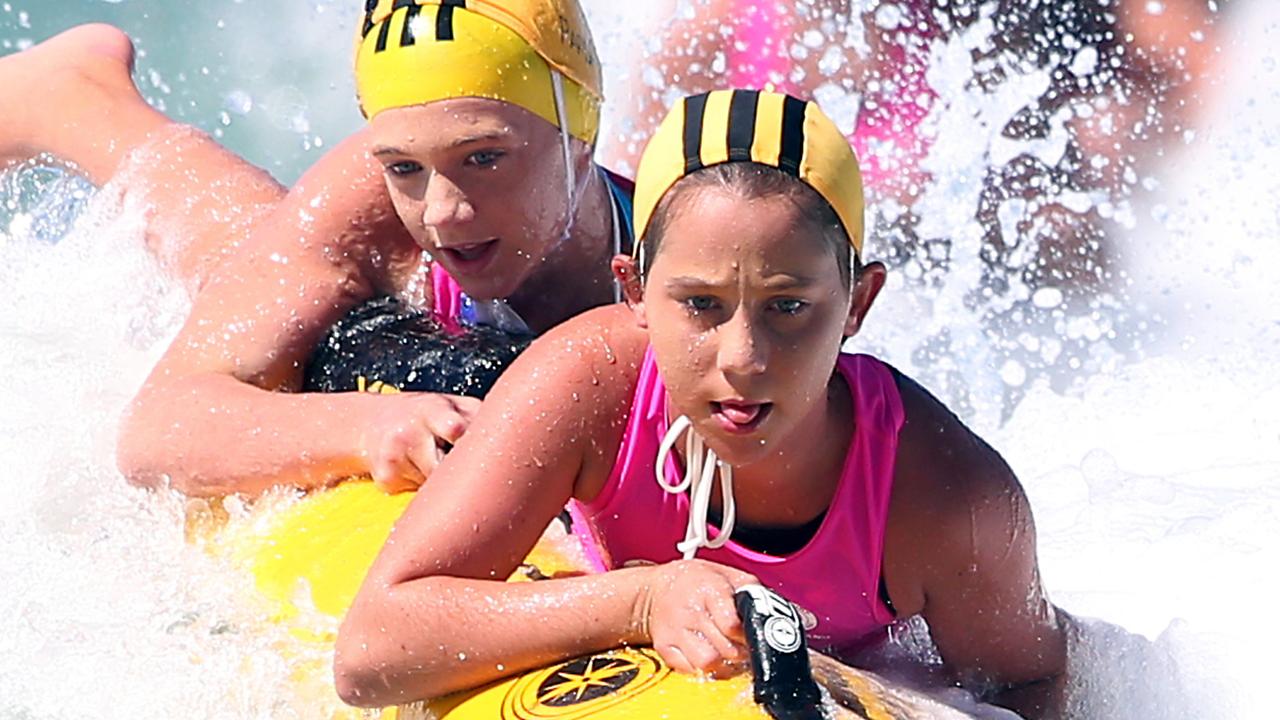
<point x="1047" y="298"/>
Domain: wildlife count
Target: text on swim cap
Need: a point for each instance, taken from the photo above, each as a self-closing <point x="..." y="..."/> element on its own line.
<point x="575" y="40"/>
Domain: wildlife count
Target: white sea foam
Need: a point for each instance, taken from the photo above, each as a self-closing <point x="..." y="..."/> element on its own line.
<point x="1157" y="486"/>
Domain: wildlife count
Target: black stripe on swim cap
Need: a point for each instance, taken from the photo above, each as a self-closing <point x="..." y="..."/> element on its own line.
<point x="792" y="135"/>
<point x="444" y="18"/>
<point x="695" y="111"/>
<point x="369" y="7"/>
<point x="407" y="35"/>
<point x="742" y="124"/>
<point x="384" y="30"/>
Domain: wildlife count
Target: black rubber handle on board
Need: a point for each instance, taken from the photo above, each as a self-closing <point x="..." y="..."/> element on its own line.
<point x="783" y="682"/>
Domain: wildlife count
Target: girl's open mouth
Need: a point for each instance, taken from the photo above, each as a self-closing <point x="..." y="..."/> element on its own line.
<point x="740" y="417"/>
<point x="470" y="258"/>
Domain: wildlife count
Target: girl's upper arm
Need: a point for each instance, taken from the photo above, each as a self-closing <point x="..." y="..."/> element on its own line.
<point x="554" y="418"/>
<point x="333" y="240"/>
<point x="962" y="550"/>
<point x="985" y="604"/>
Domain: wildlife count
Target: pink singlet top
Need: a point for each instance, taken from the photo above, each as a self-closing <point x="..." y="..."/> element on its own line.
<point x="888" y="136"/>
<point x="835" y="576"/>
<point x="446" y="298"/>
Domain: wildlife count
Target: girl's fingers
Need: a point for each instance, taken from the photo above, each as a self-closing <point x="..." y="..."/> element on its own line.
<point x="447" y="424"/>
<point x="425" y="457"/>
<point x="699" y="651"/>
<point x="674" y="657"/>
<point x="723" y="614"/>
<point x="395" y="477"/>
<point x="467" y="407"/>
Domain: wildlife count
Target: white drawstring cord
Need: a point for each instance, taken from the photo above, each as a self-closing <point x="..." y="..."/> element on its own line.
<point x="701" y="464"/>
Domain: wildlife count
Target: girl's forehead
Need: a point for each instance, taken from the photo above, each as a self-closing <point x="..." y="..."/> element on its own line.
<point x="723" y="212"/>
<point x="717" y="232"/>
<point x="449" y="122"/>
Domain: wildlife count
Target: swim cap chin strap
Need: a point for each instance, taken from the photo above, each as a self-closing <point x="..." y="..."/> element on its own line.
<point x="701" y="465"/>
<point x="570" y="180"/>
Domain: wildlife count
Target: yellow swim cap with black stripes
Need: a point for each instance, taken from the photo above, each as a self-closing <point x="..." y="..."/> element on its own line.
<point x="757" y="126"/>
<point x="413" y="52"/>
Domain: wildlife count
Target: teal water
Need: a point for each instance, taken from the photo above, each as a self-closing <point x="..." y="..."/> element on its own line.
<point x="271" y="80"/>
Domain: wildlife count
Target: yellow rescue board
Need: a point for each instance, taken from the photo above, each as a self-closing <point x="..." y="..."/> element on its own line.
<point x="313" y="555"/>
<point x="309" y="558"/>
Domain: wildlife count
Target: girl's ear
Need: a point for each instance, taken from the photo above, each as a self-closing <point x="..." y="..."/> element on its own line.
<point x="627" y="274"/>
<point x="870" y="281"/>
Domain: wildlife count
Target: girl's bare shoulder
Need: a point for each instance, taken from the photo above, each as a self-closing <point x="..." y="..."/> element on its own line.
<point x="341" y="211"/>
<point x="951" y="490"/>
<point x="939" y="455"/>
<point x="573" y="389"/>
<point x="594" y="356"/>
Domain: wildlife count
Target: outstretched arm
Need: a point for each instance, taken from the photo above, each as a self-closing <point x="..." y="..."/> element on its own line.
<point x="218" y="415"/>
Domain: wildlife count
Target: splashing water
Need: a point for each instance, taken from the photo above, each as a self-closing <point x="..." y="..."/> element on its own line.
<point x="1154" y="473"/>
<point x="43" y="197"/>
<point x="108" y="612"/>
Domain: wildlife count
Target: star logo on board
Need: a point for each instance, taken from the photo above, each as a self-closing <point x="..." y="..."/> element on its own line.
<point x="585" y="686"/>
<point x="587" y="679"/>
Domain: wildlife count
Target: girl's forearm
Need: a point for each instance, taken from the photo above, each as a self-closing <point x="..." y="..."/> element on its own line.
<point x="433" y="636"/>
<point x="215" y="435"/>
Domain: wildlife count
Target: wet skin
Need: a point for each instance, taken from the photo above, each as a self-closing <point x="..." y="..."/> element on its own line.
<point x="959" y="544"/>
<point x="338" y="238"/>
<point x="746" y="323"/>
<point x="481" y="186"/>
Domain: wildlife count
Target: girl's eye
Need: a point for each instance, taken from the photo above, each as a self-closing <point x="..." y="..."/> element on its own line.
<point x="790" y="306"/>
<point x="700" y="303"/>
<point x="484" y="158"/>
<point x="404" y="168"/>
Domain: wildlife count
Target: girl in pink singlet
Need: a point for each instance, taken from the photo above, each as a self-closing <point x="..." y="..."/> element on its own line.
<point x="888" y="135"/>
<point x="757" y="39"/>
<point x="716" y="438"/>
